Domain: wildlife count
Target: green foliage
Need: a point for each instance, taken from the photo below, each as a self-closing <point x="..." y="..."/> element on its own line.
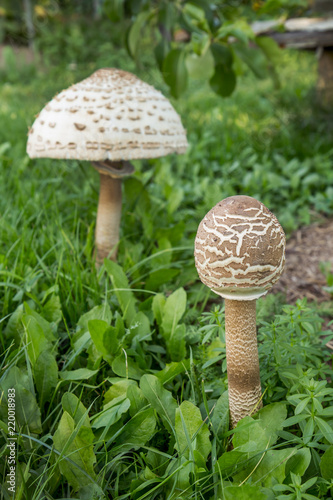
<point x="73" y="440"/>
<point x="160" y="399"/>
<point x="155" y="438"/>
<point x="209" y="30"/>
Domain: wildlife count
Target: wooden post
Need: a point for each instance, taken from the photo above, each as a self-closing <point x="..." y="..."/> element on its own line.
<point x="325" y="77"/>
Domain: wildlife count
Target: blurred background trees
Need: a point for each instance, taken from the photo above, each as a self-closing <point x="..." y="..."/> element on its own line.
<point x="187" y="39"/>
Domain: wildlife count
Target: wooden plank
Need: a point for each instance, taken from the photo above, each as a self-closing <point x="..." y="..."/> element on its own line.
<point x="309" y="24"/>
<point x="303" y="40"/>
<point x="302" y="33"/>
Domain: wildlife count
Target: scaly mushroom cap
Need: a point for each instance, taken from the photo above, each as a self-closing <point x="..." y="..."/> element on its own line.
<point x="240" y="249"/>
<point x="112" y="115"/>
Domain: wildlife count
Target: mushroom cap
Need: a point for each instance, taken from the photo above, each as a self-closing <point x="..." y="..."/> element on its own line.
<point x="240" y="249"/>
<point x="112" y="115"/>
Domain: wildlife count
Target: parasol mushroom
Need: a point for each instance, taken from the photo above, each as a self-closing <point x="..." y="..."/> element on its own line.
<point x="240" y="254"/>
<point x="109" y="118"/>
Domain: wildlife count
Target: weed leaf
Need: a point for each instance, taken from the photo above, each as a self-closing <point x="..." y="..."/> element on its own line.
<point x="160" y="399"/>
<point x="192" y="433"/>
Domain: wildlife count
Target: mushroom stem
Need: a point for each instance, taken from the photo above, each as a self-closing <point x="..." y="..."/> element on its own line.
<point x="242" y="359"/>
<point x="108" y="218"/>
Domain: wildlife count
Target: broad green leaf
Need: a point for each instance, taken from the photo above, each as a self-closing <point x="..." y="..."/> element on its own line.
<point x="171" y="370"/>
<point x="176" y="343"/>
<point x="96" y="329"/>
<point x="161" y="51"/>
<point x="181" y="481"/>
<point x="232" y="462"/>
<point x="173" y="310"/>
<point x="77" y="454"/>
<point x="326" y="464"/>
<point x="160" y="399"/>
<point x="118" y="389"/>
<point x="160" y="277"/>
<point x="271" y="419"/>
<point x="35" y="338"/>
<point x="14" y="328"/>
<point x="104" y="338"/>
<point x="92" y="492"/>
<point x="220" y="417"/>
<point x="191" y="432"/>
<point x="194" y="18"/>
<point x="137" y="399"/>
<point x="102" y="312"/>
<point x="244" y="492"/>
<point x="222" y="55"/>
<point x="140" y="327"/>
<point x="223" y="82"/>
<point x="137" y="431"/>
<point x="81" y="340"/>
<point x="73" y="406"/>
<point x="52" y="309"/>
<point x="253" y="58"/>
<point x="27" y="411"/>
<point x="175" y="200"/>
<point x="122" y="290"/>
<point x="162" y="254"/>
<point x="119" y="325"/>
<point x="175" y="72"/>
<point x="270" y="466"/>
<point x="134" y="34"/>
<point x="110" y="414"/>
<point x="249" y="436"/>
<point x="158" y="307"/>
<point x="195" y="12"/>
<point x="43" y="323"/>
<point x="270" y="48"/>
<point x="94" y="357"/>
<point x="79" y="374"/>
<point x="13" y="376"/>
<point x="46" y="375"/>
<point x="124" y="366"/>
<point x="200" y="67"/>
<point x="299" y="462"/>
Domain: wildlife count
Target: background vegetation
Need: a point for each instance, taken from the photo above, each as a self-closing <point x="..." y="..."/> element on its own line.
<point x="120" y="374"/>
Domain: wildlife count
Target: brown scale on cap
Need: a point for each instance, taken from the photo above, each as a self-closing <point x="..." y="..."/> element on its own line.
<point x="239" y="254"/>
<point x="239" y="248"/>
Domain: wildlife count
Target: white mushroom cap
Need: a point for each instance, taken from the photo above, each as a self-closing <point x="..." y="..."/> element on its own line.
<point x="112" y="115"/>
<point x="240" y="249"/>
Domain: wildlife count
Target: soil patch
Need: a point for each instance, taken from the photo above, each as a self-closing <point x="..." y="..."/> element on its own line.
<point x="306" y="249"/>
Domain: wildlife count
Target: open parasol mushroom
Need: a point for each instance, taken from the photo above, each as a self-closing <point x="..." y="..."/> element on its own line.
<point x="109" y="118"/>
<point x="240" y="254"/>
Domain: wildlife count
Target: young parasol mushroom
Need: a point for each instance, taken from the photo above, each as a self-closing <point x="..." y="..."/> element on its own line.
<point x="109" y="118"/>
<point x="240" y="254"/>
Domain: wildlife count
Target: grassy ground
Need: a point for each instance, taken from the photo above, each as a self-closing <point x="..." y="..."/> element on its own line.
<point x="125" y="410"/>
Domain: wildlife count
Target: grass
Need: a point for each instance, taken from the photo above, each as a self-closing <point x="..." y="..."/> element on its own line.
<point x="120" y="373"/>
